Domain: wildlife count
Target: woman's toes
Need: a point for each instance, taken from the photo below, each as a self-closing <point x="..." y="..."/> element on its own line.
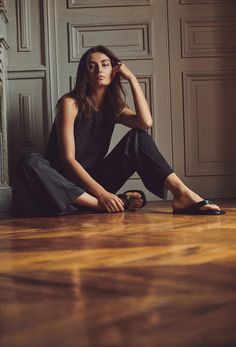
<point x="133" y="195"/>
<point x="210" y="207"/>
<point x="136" y="201"/>
<point x="135" y="204"/>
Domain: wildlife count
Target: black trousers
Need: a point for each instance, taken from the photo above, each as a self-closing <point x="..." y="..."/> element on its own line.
<point x="54" y="194"/>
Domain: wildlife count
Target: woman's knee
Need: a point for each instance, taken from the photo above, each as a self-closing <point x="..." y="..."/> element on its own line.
<point x="141" y="139"/>
<point x="139" y="136"/>
<point x="137" y="131"/>
<point x="135" y="140"/>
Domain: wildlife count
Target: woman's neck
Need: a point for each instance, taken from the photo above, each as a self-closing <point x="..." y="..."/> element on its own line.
<point x="97" y="98"/>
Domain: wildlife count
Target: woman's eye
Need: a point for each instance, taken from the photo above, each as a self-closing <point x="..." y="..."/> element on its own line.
<point x="90" y="67"/>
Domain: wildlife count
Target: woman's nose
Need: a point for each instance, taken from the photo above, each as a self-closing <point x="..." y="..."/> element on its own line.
<point x="99" y="68"/>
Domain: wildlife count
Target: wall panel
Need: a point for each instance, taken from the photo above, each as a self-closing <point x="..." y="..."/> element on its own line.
<point x="206" y="2"/>
<point x="129" y="40"/>
<point x="209" y="100"/>
<point x="27" y="117"/>
<point x="208" y="37"/>
<point x="105" y="3"/>
<point x="23" y="25"/>
<point x="26" y="34"/>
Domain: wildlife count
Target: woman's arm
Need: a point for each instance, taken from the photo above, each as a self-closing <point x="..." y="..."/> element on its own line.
<point x="75" y="171"/>
<point x="141" y="118"/>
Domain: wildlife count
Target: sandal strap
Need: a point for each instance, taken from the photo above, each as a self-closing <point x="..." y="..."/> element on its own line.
<point x="126" y="199"/>
<point x="201" y="203"/>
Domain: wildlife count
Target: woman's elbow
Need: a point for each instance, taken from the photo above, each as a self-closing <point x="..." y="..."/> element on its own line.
<point x="147" y="124"/>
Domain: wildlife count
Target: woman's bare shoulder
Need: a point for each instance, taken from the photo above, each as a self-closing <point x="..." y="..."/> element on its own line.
<point x="68" y="101"/>
<point x="67" y="107"/>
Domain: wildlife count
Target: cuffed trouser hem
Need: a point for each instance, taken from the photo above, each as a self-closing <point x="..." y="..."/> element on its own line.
<point x="52" y="192"/>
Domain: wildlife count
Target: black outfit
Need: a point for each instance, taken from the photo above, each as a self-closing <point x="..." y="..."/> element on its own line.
<point x="54" y="193"/>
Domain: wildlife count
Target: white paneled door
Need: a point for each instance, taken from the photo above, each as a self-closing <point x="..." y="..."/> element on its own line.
<point x="203" y="89"/>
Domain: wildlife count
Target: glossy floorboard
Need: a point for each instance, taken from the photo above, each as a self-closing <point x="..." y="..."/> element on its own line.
<point x="135" y="279"/>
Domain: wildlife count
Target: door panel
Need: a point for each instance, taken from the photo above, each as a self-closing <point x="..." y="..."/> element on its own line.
<point x="203" y="88"/>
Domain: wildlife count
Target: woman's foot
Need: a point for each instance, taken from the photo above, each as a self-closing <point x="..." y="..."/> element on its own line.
<point x="188" y="198"/>
<point x="135" y="200"/>
<point x="185" y="197"/>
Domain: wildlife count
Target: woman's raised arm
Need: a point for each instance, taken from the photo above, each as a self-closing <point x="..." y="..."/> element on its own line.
<point x="141" y="118"/>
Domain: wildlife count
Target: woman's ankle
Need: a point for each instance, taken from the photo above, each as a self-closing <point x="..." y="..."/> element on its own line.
<point x="88" y="200"/>
<point x="176" y="186"/>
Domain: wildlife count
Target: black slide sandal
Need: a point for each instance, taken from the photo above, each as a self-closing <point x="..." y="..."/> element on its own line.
<point x="195" y="209"/>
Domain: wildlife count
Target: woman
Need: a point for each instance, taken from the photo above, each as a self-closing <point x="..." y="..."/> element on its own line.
<point x="77" y="173"/>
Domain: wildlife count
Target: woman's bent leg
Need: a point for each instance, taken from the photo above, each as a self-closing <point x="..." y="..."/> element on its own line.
<point x="138" y="152"/>
<point x="135" y="152"/>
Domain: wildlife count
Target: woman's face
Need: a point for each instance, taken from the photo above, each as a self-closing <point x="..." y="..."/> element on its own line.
<point x="99" y="70"/>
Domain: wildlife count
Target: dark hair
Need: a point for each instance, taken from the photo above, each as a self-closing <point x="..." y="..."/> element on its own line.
<point x="115" y="98"/>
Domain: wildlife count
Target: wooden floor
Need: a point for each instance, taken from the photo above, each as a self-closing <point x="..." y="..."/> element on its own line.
<point x="134" y="279"/>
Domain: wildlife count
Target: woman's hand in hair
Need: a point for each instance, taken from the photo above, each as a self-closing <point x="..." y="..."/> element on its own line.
<point x="123" y="70"/>
<point x="111" y="202"/>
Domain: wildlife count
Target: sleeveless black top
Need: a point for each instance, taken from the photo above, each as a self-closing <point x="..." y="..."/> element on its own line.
<point x="92" y="140"/>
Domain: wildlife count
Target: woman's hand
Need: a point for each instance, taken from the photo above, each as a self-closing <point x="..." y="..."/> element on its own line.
<point x="123" y="70"/>
<point x="111" y="202"/>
